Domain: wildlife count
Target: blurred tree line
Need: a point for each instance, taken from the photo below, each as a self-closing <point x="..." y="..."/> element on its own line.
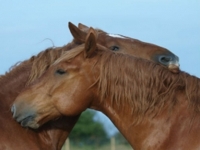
<point x="87" y="131"/>
<point x="90" y="132"/>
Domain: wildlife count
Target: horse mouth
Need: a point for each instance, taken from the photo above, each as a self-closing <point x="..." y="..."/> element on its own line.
<point x="29" y="122"/>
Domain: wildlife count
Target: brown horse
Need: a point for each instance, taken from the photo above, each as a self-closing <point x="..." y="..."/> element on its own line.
<point x="52" y="135"/>
<point x="13" y="136"/>
<point x="152" y="107"/>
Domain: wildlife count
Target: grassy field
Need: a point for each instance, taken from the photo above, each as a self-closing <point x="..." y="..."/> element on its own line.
<point x="104" y="147"/>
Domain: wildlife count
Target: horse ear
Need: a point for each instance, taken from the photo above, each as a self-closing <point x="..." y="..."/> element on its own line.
<point x="77" y="33"/>
<point x="83" y="27"/>
<point x="91" y="43"/>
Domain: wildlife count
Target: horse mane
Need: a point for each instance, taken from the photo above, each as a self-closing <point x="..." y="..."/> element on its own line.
<point x="39" y="63"/>
<point x="144" y="85"/>
<point x="42" y="61"/>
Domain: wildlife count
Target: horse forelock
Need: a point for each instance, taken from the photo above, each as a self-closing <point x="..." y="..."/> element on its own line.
<point x="45" y="59"/>
<point x="42" y="61"/>
<point x="70" y="54"/>
<point x="144" y="85"/>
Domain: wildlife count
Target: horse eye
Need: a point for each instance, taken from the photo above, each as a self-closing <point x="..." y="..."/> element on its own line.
<point x="60" y="71"/>
<point x="114" y="48"/>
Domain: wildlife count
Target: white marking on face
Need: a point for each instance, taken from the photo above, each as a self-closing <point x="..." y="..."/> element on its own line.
<point x="117" y="36"/>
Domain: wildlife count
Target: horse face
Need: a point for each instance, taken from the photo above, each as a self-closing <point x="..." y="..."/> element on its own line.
<point x="62" y="90"/>
<point x="126" y="45"/>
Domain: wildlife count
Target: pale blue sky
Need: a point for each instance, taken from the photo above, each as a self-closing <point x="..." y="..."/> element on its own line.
<point x="173" y="24"/>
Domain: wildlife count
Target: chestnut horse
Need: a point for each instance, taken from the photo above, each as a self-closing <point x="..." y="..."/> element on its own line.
<point x="152" y="107"/>
<point x="26" y="72"/>
<point x="53" y="135"/>
<point x="13" y="136"/>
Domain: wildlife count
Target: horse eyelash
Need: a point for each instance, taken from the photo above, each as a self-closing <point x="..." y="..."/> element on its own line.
<point x="60" y="71"/>
<point x="114" y="48"/>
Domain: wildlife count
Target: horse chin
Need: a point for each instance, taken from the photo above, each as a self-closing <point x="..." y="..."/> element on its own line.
<point x="30" y="122"/>
<point x="32" y="125"/>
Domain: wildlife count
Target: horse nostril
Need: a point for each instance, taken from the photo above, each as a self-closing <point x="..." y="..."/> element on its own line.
<point x="165" y="59"/>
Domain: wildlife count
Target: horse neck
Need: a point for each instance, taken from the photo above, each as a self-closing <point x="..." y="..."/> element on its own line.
<point x="153" y="132"/>
<point x="145" y="123"/>
<point x="12" y="84"/>
<point x="50" y="136"/>
<point x="122" y="118"/>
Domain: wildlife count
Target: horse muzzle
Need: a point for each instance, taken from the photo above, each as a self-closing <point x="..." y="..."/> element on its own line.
<point x="26" y="117"/>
